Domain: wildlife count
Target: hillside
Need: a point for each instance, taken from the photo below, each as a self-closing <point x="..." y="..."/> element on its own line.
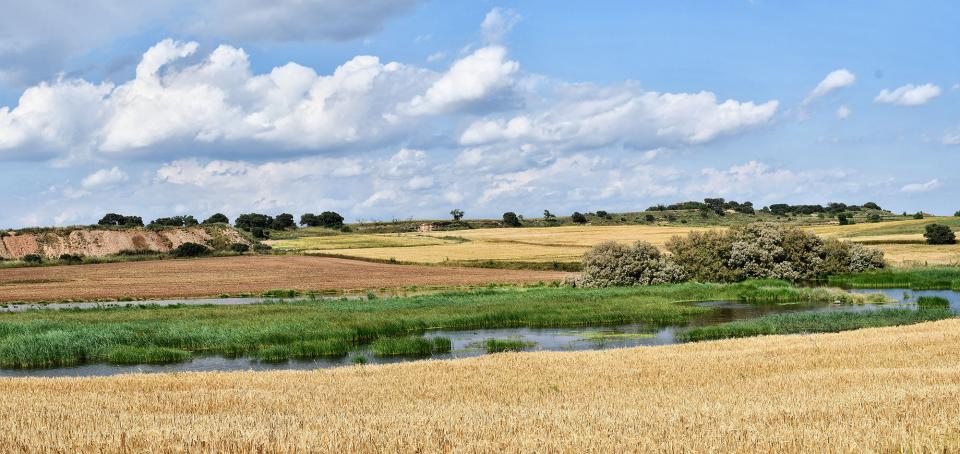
<point x="98" y="242"/>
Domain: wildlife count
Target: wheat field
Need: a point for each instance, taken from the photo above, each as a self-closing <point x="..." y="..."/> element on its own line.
<point x="887" y="389"/>
<point x="569" y="243"/>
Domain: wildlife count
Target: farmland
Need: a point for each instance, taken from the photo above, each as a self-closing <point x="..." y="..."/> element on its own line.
<point x="826" y="392"/>
<point x="901" y="241"/>
<point x="237" y="275"/>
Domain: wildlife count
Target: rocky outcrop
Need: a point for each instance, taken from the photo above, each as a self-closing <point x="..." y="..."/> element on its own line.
<point x="96" y="242"/>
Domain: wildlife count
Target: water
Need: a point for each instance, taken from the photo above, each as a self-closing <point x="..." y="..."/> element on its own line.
<point x="469" y="343"/>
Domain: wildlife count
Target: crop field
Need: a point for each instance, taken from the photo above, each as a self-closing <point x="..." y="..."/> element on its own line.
<point x="853" y="391"/>
<point x="901" y="241"/>
<point x="237" y="275"/>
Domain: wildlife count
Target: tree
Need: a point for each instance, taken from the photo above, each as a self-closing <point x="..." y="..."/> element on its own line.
<point x="957" y="213"/>
<point x="253" y="220"/>
<point x="842" y="218"/>
<point x="457" y="214"/>
<point x="120" y="220"/>
<point x="872" y="206"/>
<point x="939" y="234"/>
<point x="918" y="215"/>
<point x="650" y="218"/>
<point x="218" y="218"/>
<point x="578" y="218"/>
<point x="283" y="221"/>
<point x="510" y="219"/>
<point x="330" y="220"/>
<point x="549" y="217"/>
<point x="176" y="221"/>
<point x="716" y="205"/>
<point x="603" y="214"/>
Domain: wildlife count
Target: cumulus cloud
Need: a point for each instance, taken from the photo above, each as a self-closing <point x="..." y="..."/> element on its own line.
<point x="474" y="78"/>
<point x="921" y="187"/>
<point x="498" y="23"/>
<point x="589" y="116"/>
<point x="909" y="95"/>
<point x="843" y="112"/>
<point x="104" y="177"/>
<point x="835" y="80"/>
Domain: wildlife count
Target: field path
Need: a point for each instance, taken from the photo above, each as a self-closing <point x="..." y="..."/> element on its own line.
<point x="248" y="274"/>
<point x="874" y="390"/>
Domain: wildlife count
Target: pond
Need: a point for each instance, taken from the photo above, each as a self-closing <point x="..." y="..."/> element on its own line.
<point x="469" y="343"/>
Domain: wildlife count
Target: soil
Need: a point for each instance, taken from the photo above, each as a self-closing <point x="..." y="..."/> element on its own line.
<point x="96" y="243"/>
<point x="234" y="275"/>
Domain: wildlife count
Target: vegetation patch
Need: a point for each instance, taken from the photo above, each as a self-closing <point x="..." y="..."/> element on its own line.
<point x="410" y="346"/>
<point x="937" y="302"/>
<point x="940" y="278"/>
<point x="507" y="345"/>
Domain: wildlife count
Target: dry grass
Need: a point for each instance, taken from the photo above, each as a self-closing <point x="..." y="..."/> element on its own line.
<point x="855" y="391"/>
<point x="233" y="275"/>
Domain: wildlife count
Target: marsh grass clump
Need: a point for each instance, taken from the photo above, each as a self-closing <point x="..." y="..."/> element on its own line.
<point x="507" y="345"/>
<point x="939" y="278"/>
<point x="127" y="355"/>
<point x="814" y="322"/>
<point x="410" y="346"/>
<point x="933" y="302"/>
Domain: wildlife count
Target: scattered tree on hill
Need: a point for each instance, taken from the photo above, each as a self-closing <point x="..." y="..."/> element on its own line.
<point x="121" y="220"/>
<point x="175" y="221"/>
<point x="331" y="220"/>
<point x="218" y="218"/>
<point x="918" y="215"/>
<point x="578" y="218"/>
<point x="872" y="206"/>
<point x="457" y="214"/>
<point x="939" y="234"/>
<point x="603" y="214"/>
<point x="957" y="214"/>
<point x="510" y="219"/>
<point x="717" y="205"/>
<point x="549" y="217"/>
<point x="283" y="221"/>
<point x="253" y="220"/>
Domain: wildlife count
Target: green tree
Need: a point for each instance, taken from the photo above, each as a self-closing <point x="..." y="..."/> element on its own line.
<point x="457" y="214"/>
<point x="217" y="218"/>
<point x="549" y="217"/>
<point x="939" y="234"/>
<point x="510" y="219"/>
<point x="578" y="218"/>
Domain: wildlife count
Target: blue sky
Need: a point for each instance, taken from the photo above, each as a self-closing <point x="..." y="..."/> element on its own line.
<point x="397" y="109"/>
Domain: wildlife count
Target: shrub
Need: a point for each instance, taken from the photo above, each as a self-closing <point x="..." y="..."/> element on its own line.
<point x="842" y="218"/>
<point x="872" y="206"/>
<point x="578" y="218"/>
<point x="239" y="248"/>
<point x="261" y="248"/>
<point x="71" y="258"/>
<point x="957" y="214"/>
<point x="614" y="264"/>
<point x="510" y="219"/>
<point x="874" y="218"/>
<point x="217" y="218"/>
<point x="190" y="250"/>
<point x="704" y="256"/>
<point x="918" y="215"/>
<point x="650" y="218"/>
<point x="939" y="234"/>
<point x="603" y="214"/>
<point x="259" y="233"/>
<point x="32" y="258"/>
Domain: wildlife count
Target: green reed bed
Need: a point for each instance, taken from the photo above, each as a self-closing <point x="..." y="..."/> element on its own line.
<point x="318" y="328"/>
<point x="507" y="345"/>
<point x="933" y="302"/>
<point x="410" y="346"/>
<point x="937" y="278"/>
<point x="815" y="322"/>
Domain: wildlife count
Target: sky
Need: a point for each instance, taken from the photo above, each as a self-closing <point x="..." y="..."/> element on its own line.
<point x="398" y="109"/>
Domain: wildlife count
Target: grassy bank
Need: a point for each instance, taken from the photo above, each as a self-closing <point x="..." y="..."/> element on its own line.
<point x="302" y="329"/>
<point x="936" y="278"/>
<point x="815" y="322"/>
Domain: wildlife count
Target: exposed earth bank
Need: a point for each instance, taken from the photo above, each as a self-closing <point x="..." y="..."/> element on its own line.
<point x="52" y="243"/>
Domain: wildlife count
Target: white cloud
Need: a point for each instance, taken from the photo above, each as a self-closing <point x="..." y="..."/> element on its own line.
<point x="436" y="56"/>
<point x="951" y="137"/>
<point x="588" y="116"/>
<point x="922" y="187"/>
<point x="104" y="178"/>
<point x="498" y="23"/>
<point x="909" y="95"/>
<point x="837" y="79"/>
<point x="473" y="78"/>
<point x="843" y="112"/>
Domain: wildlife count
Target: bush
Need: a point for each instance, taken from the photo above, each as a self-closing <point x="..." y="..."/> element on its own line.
<point x="918" y="215"/>
<point x="71" y="258"/>
<point x="704" y="256"/>
<point x="190" y="250"/>
<point x="578" y="218"/>
<point x="957" y="214"/>
<point x="939" y="234"/>
<point x="259" y="233"/>
<point x="218" y="218"/>
<point x="239" y="248"/>
<point x="842" y="218"/>
<point x="32" y="258"/>
<point x="510" y="219"/>
<point x="650" y="218"/>
<point x="614" y="264"/>
<point x="261" y="248"/>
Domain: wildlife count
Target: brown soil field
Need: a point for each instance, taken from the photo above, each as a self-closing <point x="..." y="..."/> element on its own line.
<point x="233" y="275"/>
<point x="874" y="390"/>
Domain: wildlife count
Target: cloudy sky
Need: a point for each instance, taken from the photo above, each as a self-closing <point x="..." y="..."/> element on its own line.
<point x="385" y="109"/>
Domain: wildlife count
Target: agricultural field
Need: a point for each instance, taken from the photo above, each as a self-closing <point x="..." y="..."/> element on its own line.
<point x="852" y="391"/>
<point x="237" y="275"/>
<point x="900" y="240"/>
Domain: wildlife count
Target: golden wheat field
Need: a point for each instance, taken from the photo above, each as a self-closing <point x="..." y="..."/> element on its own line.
<point x="874" y="390"/>
<point x="568" y="243"/>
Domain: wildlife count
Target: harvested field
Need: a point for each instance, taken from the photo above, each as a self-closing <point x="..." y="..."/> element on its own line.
<point x="234" y="275"/>
<point x="854" y="391"/>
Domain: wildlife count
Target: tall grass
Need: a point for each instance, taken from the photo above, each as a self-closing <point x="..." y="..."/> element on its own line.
<point x="507" y="345"/>
<point x="938" y="278"/>
<point x="814" y="322"/>
<point x="410" y="346"/>
<point x="314" y="328"/>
